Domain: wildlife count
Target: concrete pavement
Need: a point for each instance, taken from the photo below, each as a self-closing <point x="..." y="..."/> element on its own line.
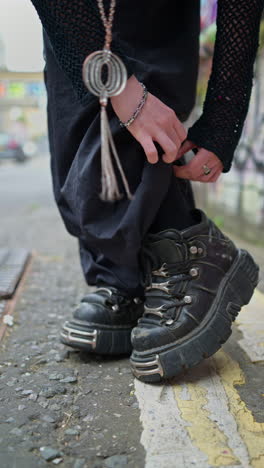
<point x="58" y="406"/>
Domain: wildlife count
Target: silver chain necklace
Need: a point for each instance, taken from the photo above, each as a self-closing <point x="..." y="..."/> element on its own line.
<point x="114" y="84"/>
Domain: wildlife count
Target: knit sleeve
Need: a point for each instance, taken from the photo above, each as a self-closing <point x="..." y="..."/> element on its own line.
<point x="75" y="29"/>
<point x="226" y="104"/>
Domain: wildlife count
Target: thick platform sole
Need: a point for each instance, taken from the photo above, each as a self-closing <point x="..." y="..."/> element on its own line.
<point x="93" y="338"/>
<point x="235" y="291"/>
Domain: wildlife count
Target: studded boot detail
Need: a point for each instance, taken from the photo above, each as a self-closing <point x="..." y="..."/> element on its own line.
<point x="196" y="283"/>
<point x="103" y="321"/>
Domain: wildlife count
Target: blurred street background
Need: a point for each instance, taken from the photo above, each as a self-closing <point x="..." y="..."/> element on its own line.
<point x="58" y="406"/>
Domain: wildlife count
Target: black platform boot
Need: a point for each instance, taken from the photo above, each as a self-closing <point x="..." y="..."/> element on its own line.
<point x="103" y="321"/>
<point x="197" y="281"/>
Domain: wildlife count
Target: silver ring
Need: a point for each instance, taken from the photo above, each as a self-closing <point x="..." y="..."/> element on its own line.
<point x="206" y="169"/>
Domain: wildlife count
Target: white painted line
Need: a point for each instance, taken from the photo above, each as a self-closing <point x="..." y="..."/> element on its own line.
<point x="164" y="435"/>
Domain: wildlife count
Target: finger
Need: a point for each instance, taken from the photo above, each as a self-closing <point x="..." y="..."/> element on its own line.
<point x="181" y="131"/>
<point x="207" y="178"/>
<point x="191" y="173"/>
<point x="178" y="126"/>
<point x="203" y="165"/>
<point x="216" y="171"/>
<point x="169" y="146"/>
<point x="183" y="172"/>
<point x="217" y="175"/>
<point x="150" y="150"/>
<point x="169" y="158"/>
<point x="186" y="146"/>
<point x="194" y="170"/>
<point x="209" y="158"/>
<point x="202" y="160"/>
<point x="212" y="177"/>
<point x="174" y="136"/>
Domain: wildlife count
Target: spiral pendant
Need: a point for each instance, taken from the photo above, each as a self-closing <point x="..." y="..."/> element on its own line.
<point x="93" y="74"/>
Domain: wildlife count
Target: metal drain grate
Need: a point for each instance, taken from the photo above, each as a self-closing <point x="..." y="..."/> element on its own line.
<point x="12" y="265"/>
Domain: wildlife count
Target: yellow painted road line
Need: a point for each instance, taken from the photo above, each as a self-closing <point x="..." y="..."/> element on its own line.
<point x="220" y="424"/>
<point x="204" y="429"/>
<point x="251" y="432"/>
<point x="201" y="420"/>
<point x="251" y="323"/>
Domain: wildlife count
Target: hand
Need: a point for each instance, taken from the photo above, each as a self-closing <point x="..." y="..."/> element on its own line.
<point x="194" y="169"/>
<point x="156" y="122"/>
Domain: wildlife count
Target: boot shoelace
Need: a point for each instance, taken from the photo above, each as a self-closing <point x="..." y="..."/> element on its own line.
<point x="180" y="272"/>
<point x="115" y="299"/>
<point x="168" y="311"/>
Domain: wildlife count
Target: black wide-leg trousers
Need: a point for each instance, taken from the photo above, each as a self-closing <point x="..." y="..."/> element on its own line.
<point x="110" y="234"/>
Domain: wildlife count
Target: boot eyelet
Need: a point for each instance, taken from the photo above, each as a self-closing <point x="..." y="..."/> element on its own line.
<point x="169" y="322"/>
<point x="115" y="307"/>
<point x="200" y="250"/>
<point x="193" y="249"/>
<point x="194" y="272"/>
<point x="187" y="299"/>
<point x="137" y="300"/>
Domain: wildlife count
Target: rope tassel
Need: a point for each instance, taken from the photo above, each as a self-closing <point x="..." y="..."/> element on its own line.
<point x="110" y="190"/>
<point x="93" y="71"/>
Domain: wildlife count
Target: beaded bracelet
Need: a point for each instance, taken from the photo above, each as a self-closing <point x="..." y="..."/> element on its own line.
<point x="138" y="109"/>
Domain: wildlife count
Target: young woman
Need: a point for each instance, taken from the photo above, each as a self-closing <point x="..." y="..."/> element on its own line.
<point x="154" y="258"/>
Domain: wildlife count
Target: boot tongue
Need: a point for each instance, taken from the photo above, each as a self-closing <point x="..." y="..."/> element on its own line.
<point x="168" y="248"/>
<point x="201" y="226"/>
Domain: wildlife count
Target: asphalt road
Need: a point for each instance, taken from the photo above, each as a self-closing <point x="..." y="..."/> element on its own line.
<point x="63" y="407"/>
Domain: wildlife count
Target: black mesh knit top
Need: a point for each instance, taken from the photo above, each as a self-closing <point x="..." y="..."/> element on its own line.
<point x="75" y="29"/>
